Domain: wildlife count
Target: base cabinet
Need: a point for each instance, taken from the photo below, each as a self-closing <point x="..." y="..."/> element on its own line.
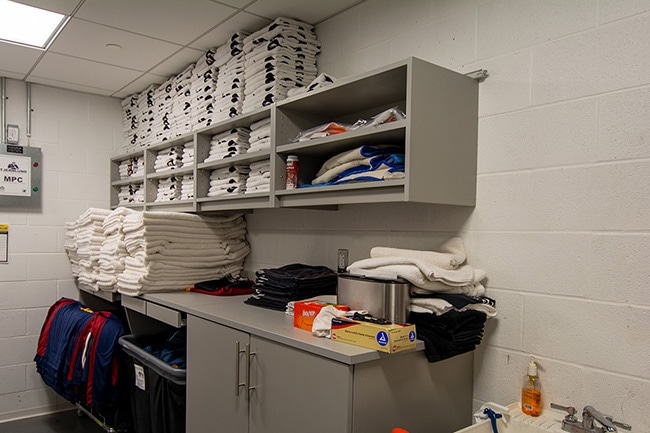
<point x="266" y="388"/>
<point x="269" y="387"/>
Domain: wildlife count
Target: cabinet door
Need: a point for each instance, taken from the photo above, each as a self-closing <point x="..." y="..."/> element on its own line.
<point x="215" y="402"/>
<point x="296" y="391"/>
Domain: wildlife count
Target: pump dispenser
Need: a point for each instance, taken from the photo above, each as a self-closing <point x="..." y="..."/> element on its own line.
<point x="531" y="394"/>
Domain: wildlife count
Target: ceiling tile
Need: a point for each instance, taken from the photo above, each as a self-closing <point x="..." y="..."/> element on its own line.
<point x="87" y="40"/>
<point x="17" y="59"/>
<point x="177" y="63"/>
<point x="219" y="36"/>
<point x="311" y="11"/>
<point x="177" y="21"/>
<point x="64" y="69"/>
<point x="234" y="3"/>
<point x="142" y="83"/>
<point x="70" y="86"/>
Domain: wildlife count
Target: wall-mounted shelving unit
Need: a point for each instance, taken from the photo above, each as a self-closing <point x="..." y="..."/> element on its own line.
<point x="439" y="138"/>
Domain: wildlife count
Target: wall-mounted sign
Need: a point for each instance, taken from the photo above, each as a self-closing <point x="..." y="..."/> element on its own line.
<point x="15" y="175"/>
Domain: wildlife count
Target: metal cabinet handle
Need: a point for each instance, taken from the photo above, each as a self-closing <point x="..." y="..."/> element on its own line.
<point x="237" y="383"/>
<point x="249" y="355"/>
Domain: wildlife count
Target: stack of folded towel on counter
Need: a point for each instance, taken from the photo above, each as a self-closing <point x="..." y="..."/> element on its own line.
<point x="135" y="252"/>
<point x="112" y="253"/>
<point x="447" y="298"/>
<point x="275" y="288"/>
<point x="279" y="57"/>
<point x="84" y="239"/>
<point x="170" y="251"/>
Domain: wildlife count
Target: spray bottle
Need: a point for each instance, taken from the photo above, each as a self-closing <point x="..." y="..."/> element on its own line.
<point x="531" y="394"/>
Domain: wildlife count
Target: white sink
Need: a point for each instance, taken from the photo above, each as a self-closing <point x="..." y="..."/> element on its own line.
<point x="514" y="421"/>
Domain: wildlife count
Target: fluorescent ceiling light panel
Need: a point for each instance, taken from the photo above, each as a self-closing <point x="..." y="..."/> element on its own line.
<point x="27" y="25"/>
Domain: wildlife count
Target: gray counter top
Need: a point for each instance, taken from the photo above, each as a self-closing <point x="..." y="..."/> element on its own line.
<point x="270" y="324"/>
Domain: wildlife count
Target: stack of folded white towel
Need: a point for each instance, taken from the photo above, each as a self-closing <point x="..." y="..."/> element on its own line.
<point x="443" y="270"/>
<point x="228" y="143"/>
<point x="170" y="251"/>
<point x="279" y="57"/>
<point x="259" y="178"/>
<point x="130" y="122"/>
<point x="89" y="238"/>
<point x="70" y="246"/>
<point x="260" y="135"/>
<point x="168" y="159"/>
<point x="228" y="181"/>
<point x="169" y="189"/>
<point x="130" y="194"/>
<point x="112" y="253"/>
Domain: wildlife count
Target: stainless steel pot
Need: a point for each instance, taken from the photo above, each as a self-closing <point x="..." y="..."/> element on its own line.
<point x="381" y="298"/>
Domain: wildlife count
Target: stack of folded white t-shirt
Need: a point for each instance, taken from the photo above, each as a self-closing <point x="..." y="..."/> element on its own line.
<point x="130" y="122"/>
<point x="146" y="115"/>
<point x="171" y="251"/>
<point x="187" y="153"/>
<point x="133" y="166"/>
<point x="279" y="57"/>
<point x="169" y="189"/>
<point x="229" y="95"/>
<point x="187" y="187"/>
<point x="130" y="194"/>
<point x="259" y="178"/>
<point x="260" y="135"/>
<point x="228" y="180"/>
<point x="204" y="83"/>
<point x="228" y="143"/>
<point x="168" y="159"/>
<point x="182" y="102"/>
<point x="163" y="98"/>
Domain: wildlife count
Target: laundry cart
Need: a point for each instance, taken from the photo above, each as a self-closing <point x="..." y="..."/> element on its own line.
<point x="157" y="388"/>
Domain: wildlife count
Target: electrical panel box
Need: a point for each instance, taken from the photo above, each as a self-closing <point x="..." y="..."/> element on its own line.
<point x="21" y="175"/>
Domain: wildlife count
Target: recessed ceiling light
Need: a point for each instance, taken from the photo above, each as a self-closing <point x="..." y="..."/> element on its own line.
<point x="27" y="25"/>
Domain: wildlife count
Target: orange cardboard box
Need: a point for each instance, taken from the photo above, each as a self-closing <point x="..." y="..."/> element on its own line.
<point x="304" y="312"/>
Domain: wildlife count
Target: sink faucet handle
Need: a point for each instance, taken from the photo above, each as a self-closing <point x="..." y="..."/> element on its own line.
<point x="569" y="409"/>
<point x="619" y="424"/>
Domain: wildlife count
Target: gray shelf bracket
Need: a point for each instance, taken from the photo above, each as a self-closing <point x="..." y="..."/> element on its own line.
<point x="478" y="75"/>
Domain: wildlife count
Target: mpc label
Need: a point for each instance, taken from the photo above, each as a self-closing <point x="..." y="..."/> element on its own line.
<point x="15" y="175"/>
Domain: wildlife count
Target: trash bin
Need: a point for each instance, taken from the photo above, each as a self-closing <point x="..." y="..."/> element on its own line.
<point x="157" y="390"/>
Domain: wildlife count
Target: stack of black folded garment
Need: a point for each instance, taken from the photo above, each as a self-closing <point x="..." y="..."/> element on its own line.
<point x="275" y="288"/>
<point x="452" y="332"/>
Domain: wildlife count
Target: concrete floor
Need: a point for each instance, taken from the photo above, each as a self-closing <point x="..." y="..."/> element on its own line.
<point x="60" y="422"/>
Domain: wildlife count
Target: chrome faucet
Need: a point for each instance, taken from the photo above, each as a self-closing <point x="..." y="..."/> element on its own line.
<point x="571" y="423"/>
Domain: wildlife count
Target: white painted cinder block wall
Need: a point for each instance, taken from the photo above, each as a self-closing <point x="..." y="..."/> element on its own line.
<point x="562" y="220"/>
<point x="77" y="134"/>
